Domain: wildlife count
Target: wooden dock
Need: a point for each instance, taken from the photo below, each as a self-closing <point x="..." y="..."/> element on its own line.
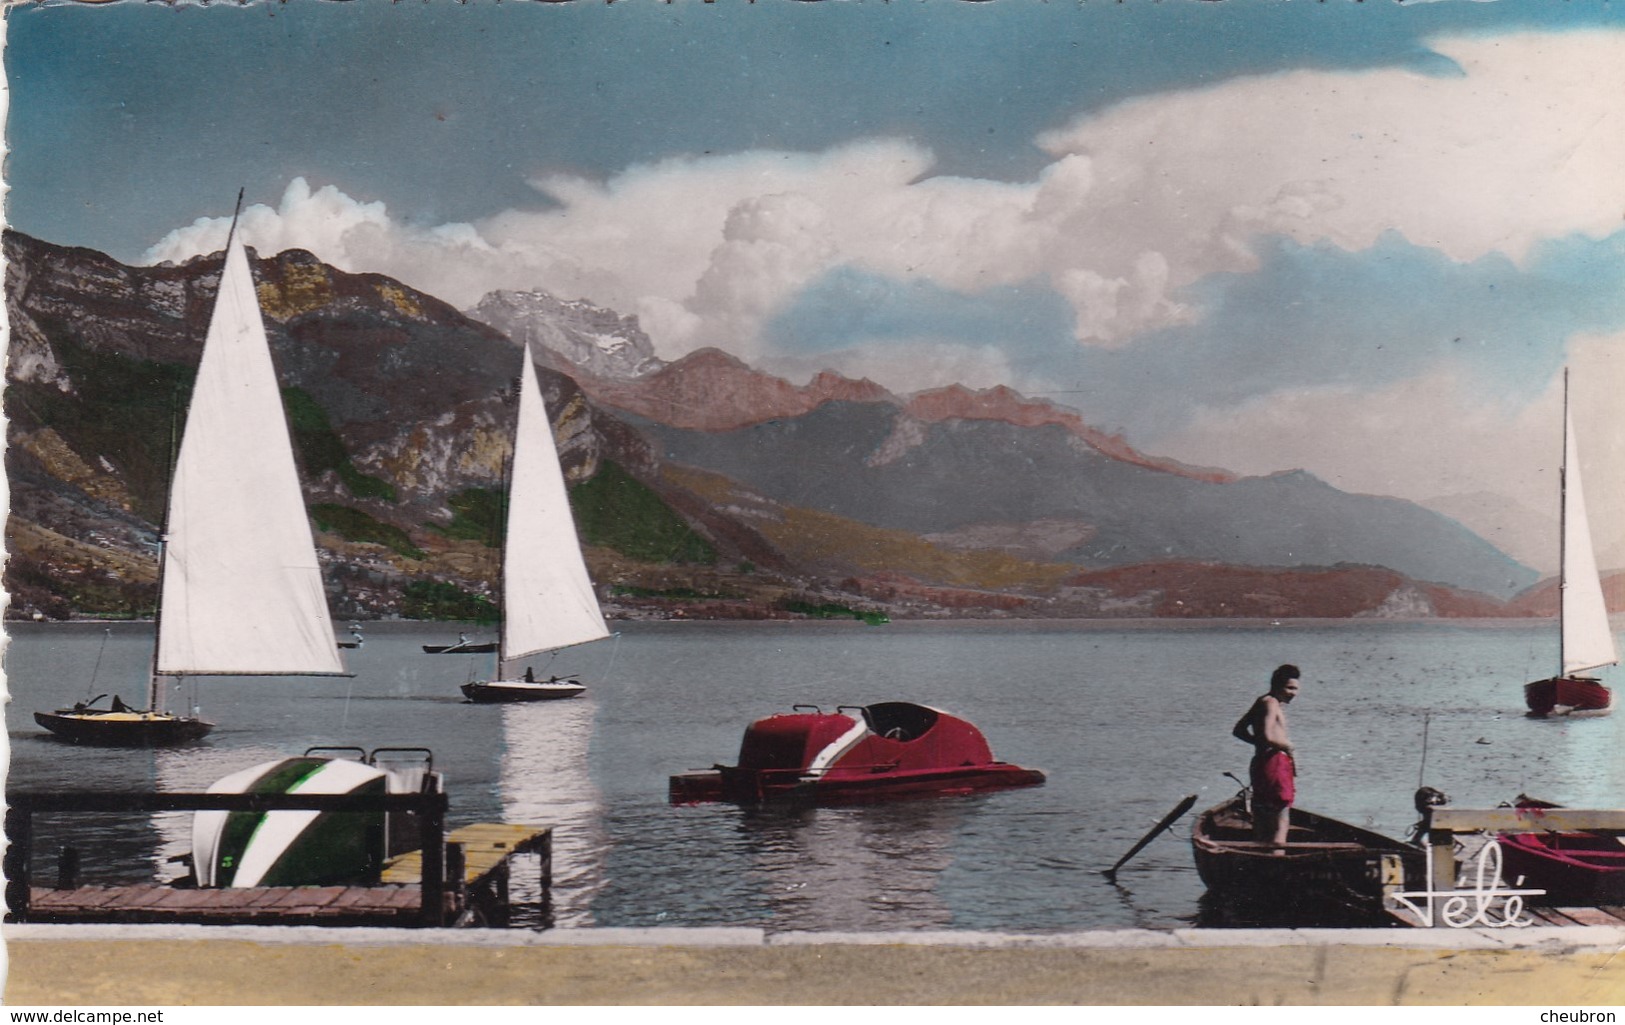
<point x="150" y="903"/>
<point x="457" y="879"/>
<point x="1481" y="897"/>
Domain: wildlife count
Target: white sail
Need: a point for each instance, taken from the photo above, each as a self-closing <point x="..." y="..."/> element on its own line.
<point x="242" y="591"/>
<point x="1588" y="640"/>
<point x="547" y="597"/>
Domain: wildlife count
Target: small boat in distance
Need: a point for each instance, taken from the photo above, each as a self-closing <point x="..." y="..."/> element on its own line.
<point x="1330" y="873"/>
<point x="464" y="646"/>
<point x="240" y="590"/>
<point x="547" y="597"/>
<point x="854" y="755"/>
<point x="1576" y="869"/>
<point x="1585" y="637"/>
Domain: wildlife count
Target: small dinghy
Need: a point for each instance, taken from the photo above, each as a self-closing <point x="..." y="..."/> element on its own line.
<point x="853" y="755"/>
<point x="464" y="646"/>
<point x="1329" y="873"/>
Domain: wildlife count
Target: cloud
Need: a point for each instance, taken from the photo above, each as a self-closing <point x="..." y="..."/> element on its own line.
<point x="454" y="262"/>
<point x="1524" y="145"/>
<point x="1432" y="436"/>
<point x="1141" y="200"/>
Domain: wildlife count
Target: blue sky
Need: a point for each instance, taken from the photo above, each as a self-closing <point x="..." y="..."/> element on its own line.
<point x="1358" y="238"/>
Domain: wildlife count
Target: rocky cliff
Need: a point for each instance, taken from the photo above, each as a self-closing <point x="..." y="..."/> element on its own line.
<point x="701" y="487"/>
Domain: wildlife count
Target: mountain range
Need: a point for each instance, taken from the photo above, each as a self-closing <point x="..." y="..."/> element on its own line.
<point x="702" y="486"/>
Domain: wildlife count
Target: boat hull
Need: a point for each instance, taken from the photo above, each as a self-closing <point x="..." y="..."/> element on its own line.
<point x="460" y="649"/>
<point x="510" y="691"/>
<point x="123" y="729"/>
<point x="1575" y="869"/>
<point x="1330" y="873"/>
<point x="737" y="786"/>
<point x="1568" y="695"/>
<point x="882" y="752"/>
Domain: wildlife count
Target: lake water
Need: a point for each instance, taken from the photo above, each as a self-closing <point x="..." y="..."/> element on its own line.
<point x="1125" y="718"/>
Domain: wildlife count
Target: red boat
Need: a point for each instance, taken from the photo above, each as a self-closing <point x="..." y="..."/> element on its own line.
<point x="1568" y="695"/>
<point x="854" y="755"/>
<point x="1575" y="869"/>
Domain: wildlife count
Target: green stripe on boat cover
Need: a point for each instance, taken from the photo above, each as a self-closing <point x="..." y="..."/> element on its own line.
<point x="240" y="827"/>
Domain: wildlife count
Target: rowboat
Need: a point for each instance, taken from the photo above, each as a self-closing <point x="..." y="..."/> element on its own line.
<point x="1329" y="873"/>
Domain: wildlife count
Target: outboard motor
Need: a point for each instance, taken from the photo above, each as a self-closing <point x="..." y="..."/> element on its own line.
<point x="1426" y="799"/>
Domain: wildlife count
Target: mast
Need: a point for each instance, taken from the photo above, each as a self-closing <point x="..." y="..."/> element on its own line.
<point x="502" y="556"/>
<point x="155" y="692"/>
<point x="1563" y="532"/>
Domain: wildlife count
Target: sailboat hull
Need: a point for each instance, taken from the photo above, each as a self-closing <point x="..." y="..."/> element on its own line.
<point x="1568" y="695"/>
<point x="123" y="729"/>
<point x="506" y="691"/>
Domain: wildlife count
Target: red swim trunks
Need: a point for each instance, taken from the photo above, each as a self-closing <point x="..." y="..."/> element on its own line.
<point x="1273" y="777"/>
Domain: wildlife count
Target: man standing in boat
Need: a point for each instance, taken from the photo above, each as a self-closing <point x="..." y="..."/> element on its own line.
<point x="1272" y="772"/>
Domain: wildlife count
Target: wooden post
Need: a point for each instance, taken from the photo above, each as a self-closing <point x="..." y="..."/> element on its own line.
<point x="67" y="868"/>
<point x="457" y="871"/>
<point x="1442" y="842"/>
<point x="432" y="840"/>
<point x="547" y="865"/>
<point x="19" y="848"/>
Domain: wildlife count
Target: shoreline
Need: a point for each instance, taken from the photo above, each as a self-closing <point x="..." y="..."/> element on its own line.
<point x="972" y="622"/>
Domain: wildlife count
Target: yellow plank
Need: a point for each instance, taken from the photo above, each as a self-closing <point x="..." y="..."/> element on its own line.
<point x="1527" y="820"/>
<point x="485" y="846"/>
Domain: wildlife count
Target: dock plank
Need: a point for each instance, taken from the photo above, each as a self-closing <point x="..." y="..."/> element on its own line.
<point x="1551" y="916"/>
<point x="1590" y="916"/>
<point x="157" y="903"/>
<point x="1616" y="911"/>
<point x="486" y="847"/>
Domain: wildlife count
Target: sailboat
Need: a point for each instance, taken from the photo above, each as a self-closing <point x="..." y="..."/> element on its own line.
<point x="547" y="597"/>
<point x="240" y="589"/>
<point x="1586" y="640"/>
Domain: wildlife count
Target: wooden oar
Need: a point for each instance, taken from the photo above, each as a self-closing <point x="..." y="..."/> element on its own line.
<point x="1167" y="820"/>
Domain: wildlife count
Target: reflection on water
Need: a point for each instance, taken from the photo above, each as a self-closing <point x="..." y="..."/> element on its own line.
<point x="846" y="869"/>
<point x="544" y="781"/>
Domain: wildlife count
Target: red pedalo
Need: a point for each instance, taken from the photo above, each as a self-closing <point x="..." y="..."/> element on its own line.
<point x="853" y="755"/>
